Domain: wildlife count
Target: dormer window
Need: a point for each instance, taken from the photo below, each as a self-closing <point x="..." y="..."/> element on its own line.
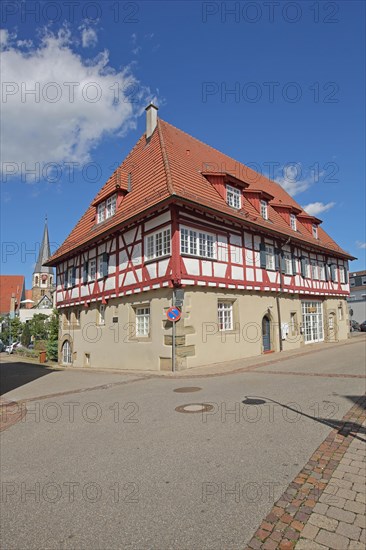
<point x="293" y="222"/>
<point x="315" y="231"/>
<point x="264" y="209"/>
<point x="107" y="208"/>
<point x="233" y="197"/>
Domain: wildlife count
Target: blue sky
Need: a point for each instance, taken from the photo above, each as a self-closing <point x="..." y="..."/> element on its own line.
<point x="278" y="87"/>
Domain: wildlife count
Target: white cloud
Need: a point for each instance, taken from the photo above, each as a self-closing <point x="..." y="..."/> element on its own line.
<point x="293" y="180"/>
<point x="76" y="103"/>
<point x="88" y="37"/>
<point x="315" y="208"/>
<point x="4" y="37"/>
<point x="360" y="244"/>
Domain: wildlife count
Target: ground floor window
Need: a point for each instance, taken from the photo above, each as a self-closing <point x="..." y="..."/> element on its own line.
<point x="66" y="353"/>
<point x="312" y="319"/>
<point x="225" y="315"/>
<point x="142" y="321"/>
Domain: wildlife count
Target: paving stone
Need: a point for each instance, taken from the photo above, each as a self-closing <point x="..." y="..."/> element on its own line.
<point x="354" y="545"/>
<point x="361" y="498"/>
<point x="323" y="522"/>
<point x="344" y="483"/>
<point x="321" y="508"/>
<point x="357" y="464"/>
<point x="355" y="478"/>
<point x="350" y="531"/>
<point x="270" y="545"/>
<point x="310" y="531"/>
<point x="332" y="500"/>
<point x="338" y="474"/>
<point x="360" y="521"/>
<point x="363" y="536"/>
<point x="348" y="469"/>
<point x="332" y="540"/>
<point x="354" y="506"/>
<point x="347" y="494"/>
<point x="341" y="515"/>
<point x="359" y="488"/>
<point x="304" y="544"/>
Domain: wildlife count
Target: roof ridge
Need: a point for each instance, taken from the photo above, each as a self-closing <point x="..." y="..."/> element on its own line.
<point x="165" y="157"/>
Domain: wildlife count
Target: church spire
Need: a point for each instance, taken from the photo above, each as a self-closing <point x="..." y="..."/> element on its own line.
<point x="44" y="253"/>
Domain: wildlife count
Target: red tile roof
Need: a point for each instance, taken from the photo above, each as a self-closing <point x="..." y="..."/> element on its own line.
<point x="29" y="296"/>
<point x="172" y="165"/>
<point x="10" y="285"/>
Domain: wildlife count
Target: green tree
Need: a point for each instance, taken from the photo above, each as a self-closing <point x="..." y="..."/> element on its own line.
<point x="38" y="326"/>
<point x="52" y="342"/>
<point x="11" y="329"/>
<point x="26" y="335"/>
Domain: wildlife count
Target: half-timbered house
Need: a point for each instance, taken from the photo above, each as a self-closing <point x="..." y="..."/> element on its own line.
<point x="255" y="273"/>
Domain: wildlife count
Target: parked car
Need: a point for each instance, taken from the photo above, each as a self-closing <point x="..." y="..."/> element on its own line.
<point x="11" y="347"/>
<point x="363" y="327"/>
<point x="354" y="326"/>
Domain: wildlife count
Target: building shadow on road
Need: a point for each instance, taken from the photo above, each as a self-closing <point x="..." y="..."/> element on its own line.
<point x="16" y="374"/>
<point x="356" y="399"/>
<point x="343" y="427"/>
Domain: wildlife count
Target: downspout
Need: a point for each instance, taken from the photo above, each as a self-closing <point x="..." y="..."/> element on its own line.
<point x="278" y="297"/>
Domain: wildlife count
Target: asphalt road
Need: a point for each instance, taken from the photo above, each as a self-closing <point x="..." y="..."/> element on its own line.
<point x="119" y="468"/>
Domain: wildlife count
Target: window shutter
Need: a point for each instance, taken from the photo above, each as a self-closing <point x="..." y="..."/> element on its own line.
<point x="85" y="272"/>
<point x="262" y="250"/>
<point x="326" y="266"/>
<point x="73" y="276"/>
<point x="333" y="272"/>
<point x="65" y="279"/>
<point x="345" y="274"/>
<point x="277" y="255"/>
<point x="303" y="267"/>
<point x="283" y="263"/>
<point x="105" y="264"/>
<point x="294" y="265"/>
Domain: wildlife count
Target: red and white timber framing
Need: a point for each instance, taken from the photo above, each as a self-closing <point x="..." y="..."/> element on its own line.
<point x="236" y="265"/>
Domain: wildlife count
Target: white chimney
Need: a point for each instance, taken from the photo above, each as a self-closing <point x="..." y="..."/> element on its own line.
<point x="151" y="119"/>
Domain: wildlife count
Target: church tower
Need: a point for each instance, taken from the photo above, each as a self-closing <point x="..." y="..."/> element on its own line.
<point x="43" y="277"/>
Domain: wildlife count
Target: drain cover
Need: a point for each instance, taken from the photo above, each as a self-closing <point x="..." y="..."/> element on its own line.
<point x="194" y="408"/>
<point x="187" y="390"/>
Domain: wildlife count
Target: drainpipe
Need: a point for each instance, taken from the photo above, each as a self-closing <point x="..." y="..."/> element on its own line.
<point x="278" y="297"/>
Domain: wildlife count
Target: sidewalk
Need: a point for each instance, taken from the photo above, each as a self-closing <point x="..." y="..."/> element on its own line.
<point x="324" y="506"/>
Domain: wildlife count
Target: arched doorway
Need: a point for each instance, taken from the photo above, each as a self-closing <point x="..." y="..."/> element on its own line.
<point x="266" y="333"/>
<point x="66" y="353"/>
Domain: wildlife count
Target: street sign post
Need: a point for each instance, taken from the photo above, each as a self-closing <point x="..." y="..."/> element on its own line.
<point x="173" y="314"/>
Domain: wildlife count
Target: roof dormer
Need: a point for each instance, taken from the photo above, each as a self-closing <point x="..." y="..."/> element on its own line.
<point x="259" y="199"/>
<point x="288" y="212"/>
<point x="311" y="223"/>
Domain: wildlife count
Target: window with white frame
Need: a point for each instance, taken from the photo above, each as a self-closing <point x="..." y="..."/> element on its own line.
<point x="101" y="314"/>
<point x="197" y="243"/>
<point x="107" y="208"/>
<point x="70" y="281"/>
<point x="341" y="275"/>
<point x="287" y="263"/>
<point x="314" y="269"/>
<point x="293" y="223"/>
<point x="264" y="209"/>
<point x="352" y="282"/>
<point x="157" y="244"/>
<point x="100" y="267"/>
<point x="225" y="315"/>
<point x="92" y="269"/>
<point x="66" y="353"/>
<point x="233" y="196"/>
<point x="322" y="271"/>
<point x="101" y="212"/>
<point x="315" y="231"/>
<point x="110" y="206"/>
<point x="142" y="321"/>
<point x="270" y="257"/>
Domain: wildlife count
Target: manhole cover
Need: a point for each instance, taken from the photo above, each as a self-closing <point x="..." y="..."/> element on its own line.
<point x="187" y="390"/>
<point x="194" y="408"/>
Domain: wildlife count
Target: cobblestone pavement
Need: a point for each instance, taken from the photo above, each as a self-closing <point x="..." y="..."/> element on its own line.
<point x="324" y="506"/>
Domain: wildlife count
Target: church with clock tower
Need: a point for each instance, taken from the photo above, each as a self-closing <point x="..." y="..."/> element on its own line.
<point x="43" y="277"/>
